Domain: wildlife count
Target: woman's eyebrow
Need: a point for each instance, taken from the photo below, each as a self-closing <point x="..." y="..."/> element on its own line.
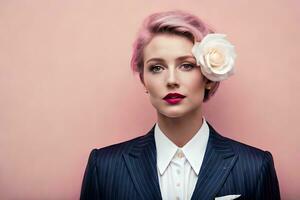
<point x="179" y="58"/>
<point x="185" y="57"/>
<point x="155" y="59"/>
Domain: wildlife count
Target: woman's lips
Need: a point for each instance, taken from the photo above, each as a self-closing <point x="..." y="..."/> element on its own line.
<point x="174" y="95"/>
<point x="173" y="100"/>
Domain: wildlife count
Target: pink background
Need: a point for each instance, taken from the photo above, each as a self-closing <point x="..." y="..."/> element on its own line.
<point x="66" y="86"/>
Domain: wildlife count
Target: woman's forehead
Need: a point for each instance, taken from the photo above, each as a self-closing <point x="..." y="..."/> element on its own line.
<point x="168" y="46"/>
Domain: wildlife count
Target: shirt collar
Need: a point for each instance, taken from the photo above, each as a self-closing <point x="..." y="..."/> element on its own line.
<point x="194" y="150"/>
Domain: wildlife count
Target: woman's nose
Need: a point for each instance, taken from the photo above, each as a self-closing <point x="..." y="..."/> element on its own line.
<point x="172" y="80"/>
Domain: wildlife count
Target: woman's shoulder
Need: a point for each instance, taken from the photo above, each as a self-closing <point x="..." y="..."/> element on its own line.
<point x="237" y="146"/>
<point x="249" y="152"/>
<point x="116" y="150"/>
<point x="121" y="146"/>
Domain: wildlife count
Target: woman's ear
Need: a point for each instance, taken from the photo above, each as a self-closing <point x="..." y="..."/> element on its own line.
<point x="209" y="84"/>
<point x="146" y="90"/>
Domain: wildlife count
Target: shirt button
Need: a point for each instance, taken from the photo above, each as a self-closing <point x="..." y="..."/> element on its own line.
<point x="178" y="184"/>
<point x="180" y="154"/>
<point x="178" y="171"/>
<point x="177" y="198"/>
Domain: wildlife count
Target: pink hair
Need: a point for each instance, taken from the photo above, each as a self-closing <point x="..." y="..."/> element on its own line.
<point x="173" y="22"/>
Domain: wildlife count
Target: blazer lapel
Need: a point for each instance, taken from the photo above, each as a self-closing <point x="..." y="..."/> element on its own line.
<point x="141" y="163"/>
<point x="218" y="161"/>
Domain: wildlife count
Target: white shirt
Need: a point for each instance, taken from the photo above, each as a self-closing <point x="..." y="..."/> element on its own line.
<point x="178" y="168"/>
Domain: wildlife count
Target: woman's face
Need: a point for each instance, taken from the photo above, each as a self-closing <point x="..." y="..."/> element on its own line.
<point x="170" y="67"/>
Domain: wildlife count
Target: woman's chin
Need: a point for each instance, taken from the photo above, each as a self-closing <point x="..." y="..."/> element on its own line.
<point x="179" y="112"/>
<point x="172" y="114"/>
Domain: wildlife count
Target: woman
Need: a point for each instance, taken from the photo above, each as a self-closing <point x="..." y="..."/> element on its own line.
<point x="180" y="61"/>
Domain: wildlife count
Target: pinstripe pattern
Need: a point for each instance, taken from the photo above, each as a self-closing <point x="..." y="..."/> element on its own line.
<point x="128" y="171"/>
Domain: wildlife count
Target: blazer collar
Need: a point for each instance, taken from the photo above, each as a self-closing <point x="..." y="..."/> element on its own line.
<point x="141" y="164"/>
<point x="218" y="161"/>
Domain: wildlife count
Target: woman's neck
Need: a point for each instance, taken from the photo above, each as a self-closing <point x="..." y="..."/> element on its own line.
<point x="180" y="130"/>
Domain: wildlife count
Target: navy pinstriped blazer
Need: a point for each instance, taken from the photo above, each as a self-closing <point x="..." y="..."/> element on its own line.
<point x="128" y="171"/>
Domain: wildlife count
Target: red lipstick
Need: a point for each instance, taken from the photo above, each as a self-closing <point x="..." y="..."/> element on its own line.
<point x="173" y="98"/>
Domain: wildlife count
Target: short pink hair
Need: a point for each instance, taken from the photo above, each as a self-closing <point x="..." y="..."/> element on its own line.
<point x="173" y="22"/>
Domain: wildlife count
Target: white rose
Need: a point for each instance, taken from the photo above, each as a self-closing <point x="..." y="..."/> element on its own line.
<point x="216" y="56"/>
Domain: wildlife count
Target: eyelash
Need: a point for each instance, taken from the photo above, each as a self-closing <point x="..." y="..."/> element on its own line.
<point x="152" y="67"/>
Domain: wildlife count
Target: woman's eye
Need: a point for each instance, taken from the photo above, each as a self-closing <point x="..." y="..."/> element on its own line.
<point x="155" y="68"/>
<point x="187" y="66"/>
